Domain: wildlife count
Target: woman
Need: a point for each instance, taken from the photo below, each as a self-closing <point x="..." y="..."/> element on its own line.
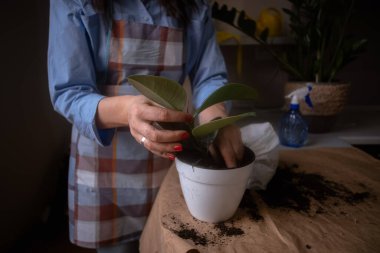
<point x="118" y="158"/>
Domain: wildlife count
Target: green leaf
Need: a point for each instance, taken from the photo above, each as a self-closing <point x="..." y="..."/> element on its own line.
<point x="210" y="127"/>
<point x="359" y="45"/>
<point x="230" y="91"/>
<point x="161" y="90"/>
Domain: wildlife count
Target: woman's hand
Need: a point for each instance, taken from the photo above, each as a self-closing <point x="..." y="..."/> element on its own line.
<point x="228" y="145"/>
<point x="140" y="114"/>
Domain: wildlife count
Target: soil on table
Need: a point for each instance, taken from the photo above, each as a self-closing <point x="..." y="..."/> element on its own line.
<point x="218" y="233"/>
<point x="302" y="192"/>
<point x="289" y="190"/>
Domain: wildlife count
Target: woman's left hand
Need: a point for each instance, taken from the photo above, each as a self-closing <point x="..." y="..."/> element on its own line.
<point x="228" y="145"/>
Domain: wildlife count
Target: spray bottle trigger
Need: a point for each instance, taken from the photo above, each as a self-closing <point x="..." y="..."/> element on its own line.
<point x="308" y="101"/>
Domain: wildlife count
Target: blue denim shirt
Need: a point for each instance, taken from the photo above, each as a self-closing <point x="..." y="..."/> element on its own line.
<point x="78" y="53"/>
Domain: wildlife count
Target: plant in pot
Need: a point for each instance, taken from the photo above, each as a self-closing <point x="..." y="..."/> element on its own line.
<point x="211" y="191"/>
<point x="320" y="49"/>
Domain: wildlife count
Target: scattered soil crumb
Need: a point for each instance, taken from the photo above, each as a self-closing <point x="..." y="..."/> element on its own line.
<point x="186" y="233"/>
<point x="225" y="230"/>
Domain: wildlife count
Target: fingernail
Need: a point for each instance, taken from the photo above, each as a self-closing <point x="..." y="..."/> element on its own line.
<point x="185" y="136"/>
<point x="177" y="148"/>
<point x="170" y="156"/>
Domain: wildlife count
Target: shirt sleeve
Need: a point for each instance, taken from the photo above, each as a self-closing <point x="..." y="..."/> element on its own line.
<point x="208" y="71"/>
<point x="71" y="71"/>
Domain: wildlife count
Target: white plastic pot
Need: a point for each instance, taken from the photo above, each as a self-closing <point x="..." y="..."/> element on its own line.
<point x="212" y="195"/>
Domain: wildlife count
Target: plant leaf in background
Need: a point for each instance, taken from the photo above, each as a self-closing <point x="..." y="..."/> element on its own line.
<point x="161" y="90"/>
<point x="231" y="91"/>
<point x="212" y="126"/>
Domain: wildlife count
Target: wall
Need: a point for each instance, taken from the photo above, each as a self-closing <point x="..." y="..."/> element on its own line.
<point x="364" y="73"/>
<point x="34" y="138"/>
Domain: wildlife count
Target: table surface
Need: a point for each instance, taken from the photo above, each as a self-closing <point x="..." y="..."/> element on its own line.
<point x="320" y="200"/>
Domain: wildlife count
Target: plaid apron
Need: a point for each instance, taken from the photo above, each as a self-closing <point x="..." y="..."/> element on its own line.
<point x="112" y="189"/>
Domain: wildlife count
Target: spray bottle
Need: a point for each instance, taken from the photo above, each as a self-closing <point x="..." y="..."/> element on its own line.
<point x="293" y="128"/>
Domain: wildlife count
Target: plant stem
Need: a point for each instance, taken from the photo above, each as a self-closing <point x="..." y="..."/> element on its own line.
<point x="318" y="74"/>
<point x="282" y="62"/>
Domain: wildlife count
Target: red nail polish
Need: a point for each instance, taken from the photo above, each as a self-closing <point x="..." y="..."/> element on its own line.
<point x="177" y="148"/>
<point x="185" y="136"/>
<point x="170" y="156"/>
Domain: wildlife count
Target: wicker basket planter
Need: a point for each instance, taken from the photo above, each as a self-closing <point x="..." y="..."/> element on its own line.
<point x="329" y="99"/>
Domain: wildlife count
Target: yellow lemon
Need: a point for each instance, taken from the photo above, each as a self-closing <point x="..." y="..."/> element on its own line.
<point x="270" y="18"/>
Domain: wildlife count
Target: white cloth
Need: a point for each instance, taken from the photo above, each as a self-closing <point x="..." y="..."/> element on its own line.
<point x="264" y="142"/>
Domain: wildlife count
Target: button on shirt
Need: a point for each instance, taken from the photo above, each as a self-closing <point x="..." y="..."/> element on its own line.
<point x="77" y="55"/>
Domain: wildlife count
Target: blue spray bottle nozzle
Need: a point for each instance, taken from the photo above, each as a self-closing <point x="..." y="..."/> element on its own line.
<point x="302" y="92"/>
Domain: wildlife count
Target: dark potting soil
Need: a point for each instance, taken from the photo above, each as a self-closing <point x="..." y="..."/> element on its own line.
<point x="219" y="233"/>
<point x="225" y="230"/>
<point x="296" y="191"/>
<point x="248" y="204"/>
<point x="206" y="161"/>
<point x="192" y="234"/>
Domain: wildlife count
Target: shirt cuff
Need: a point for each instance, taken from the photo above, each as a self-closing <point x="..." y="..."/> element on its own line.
<point x="102" y="136"/>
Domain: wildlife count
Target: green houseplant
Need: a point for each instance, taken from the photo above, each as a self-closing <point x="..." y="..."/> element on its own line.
<point x="172" y="95"/>
<point x="320" y="49"/>
<point x="211" y="191"/>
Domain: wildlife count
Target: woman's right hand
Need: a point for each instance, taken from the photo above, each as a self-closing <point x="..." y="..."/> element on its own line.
<point x="139" y="114"/>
